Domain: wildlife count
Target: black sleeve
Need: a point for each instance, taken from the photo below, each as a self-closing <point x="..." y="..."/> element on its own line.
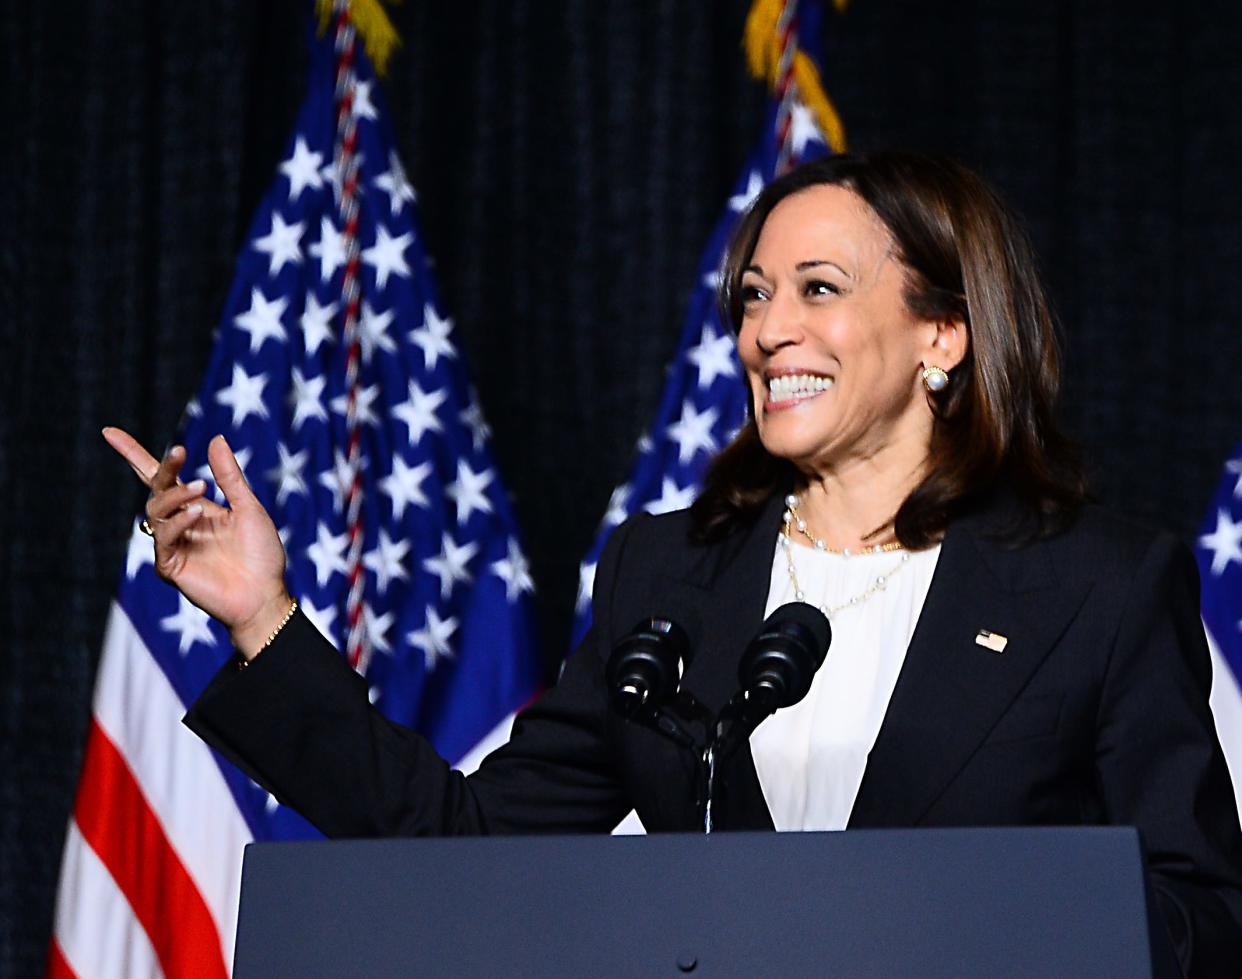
<point x="298" y="721"/>
<point x="1160" y="767"/>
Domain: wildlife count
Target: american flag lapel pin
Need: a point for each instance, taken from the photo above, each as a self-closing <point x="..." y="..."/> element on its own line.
<point x="991" y="640"/>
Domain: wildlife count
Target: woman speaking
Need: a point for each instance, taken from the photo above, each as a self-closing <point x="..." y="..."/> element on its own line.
<point x="1004" y="653"/>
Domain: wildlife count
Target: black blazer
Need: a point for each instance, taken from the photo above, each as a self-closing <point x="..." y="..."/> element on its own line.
<point x="1096" y="712"/>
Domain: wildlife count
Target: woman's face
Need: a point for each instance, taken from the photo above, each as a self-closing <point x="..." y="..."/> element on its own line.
<point x="832" y="355"/>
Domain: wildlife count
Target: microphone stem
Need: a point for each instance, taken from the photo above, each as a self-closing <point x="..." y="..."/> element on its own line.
<point x="709" y="758"/>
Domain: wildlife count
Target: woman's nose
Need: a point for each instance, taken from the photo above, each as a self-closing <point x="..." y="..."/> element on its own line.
<point x="781" y="323"/>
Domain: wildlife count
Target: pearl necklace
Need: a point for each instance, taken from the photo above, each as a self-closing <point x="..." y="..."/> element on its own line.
<point x="792" y="520"/>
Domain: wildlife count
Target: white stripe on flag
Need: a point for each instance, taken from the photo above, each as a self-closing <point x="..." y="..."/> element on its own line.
<point x="95" y="926"/>
<point x="1227" y="708"/>
<point x="138" y="709"/>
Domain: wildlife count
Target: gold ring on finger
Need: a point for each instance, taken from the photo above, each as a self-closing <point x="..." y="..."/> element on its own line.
<point x="146" y="528"/>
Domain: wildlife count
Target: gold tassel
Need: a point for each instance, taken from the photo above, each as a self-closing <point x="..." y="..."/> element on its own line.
<point x="811" y="91"/>
<point x="759" y="38"/>
<point x="378" y="35"/>
<point x="763" y="56"/>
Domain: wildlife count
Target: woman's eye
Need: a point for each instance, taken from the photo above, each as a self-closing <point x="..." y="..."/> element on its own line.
<point x="752" y="294"/>
<point x="818" y="287"/>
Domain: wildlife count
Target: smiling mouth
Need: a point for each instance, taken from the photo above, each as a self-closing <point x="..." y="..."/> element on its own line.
<point x="789" y="388"/>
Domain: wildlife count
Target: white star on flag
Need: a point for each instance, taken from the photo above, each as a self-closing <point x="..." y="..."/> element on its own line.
<point x="394" y="184"/>
<point x="372" y="332"/>
<point x="316" y="322"/>
<point x="281" y="244"/>
<point x="467" y="491"/>
<point x="472" y="417"/>
<point x="329" y="249"/>
<point x="419" y="412"/>
<point x="452" y="564"/>
<point x="586" y="585"/>
<point x="363" y="410"/>
<point x="288" y="474"/>
<point x="333" y="177"/>
<point x="387" y="255"/>
<point x="432" y="337"/>
<point x="244" y="395"/>
<point x="376" y="628"/>
<point x="617" y="503"/>
<point x="322" y="619"/>
<point x="1225" y="542"/>
<point x="754" y="184"/>
<point x="514" y="571"/>
<point x="803" y="129"/>
<point x="433" y="638"/>
<point x="327" y="553"/>
<point x="306" y="398"/>
<point x="338" y="478"/>
<point x="672" y="497"/>
<point x="713" y="357"/>
<point x="1234" y="466"/>
<point x="693" y="431"/>
<point x="141" y="551"/>
<point x="385" y="560"/>
<point x="363" y="107"/>
<point x="404" y="485"/>
<point x="302" y="169"/>
<point x="192" y="624"/>
<point x="262" y="319"/>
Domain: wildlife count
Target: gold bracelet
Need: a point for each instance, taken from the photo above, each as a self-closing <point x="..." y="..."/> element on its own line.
<point x="293" y="607"/>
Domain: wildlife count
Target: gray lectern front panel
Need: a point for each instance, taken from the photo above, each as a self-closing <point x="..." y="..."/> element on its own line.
<point x="926" y="903"/>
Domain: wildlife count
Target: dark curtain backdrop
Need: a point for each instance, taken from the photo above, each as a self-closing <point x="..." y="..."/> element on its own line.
<point x="570" y="159"/>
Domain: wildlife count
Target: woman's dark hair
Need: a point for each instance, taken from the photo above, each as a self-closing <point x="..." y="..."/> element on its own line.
<point x="966" y="258"/>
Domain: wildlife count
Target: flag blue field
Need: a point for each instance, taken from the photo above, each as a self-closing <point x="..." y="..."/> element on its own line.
<point x="447" y="594"/>
<point x="1219" y="553"/>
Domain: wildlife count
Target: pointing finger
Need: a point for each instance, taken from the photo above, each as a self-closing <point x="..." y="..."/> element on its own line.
<point x="140" y="460"/>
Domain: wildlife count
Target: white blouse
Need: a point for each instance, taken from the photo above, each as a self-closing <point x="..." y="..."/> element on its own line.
<point x="810" y="757"/>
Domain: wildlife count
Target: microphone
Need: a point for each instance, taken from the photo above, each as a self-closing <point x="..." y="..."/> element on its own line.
<point x="775" y="671"/>
<point x="644" y="673"/>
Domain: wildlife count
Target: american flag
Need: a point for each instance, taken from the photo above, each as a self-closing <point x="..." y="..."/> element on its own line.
<point x="1219" y="553"/>
<point x="705" y="398"/>
<point x="151" y="870"/>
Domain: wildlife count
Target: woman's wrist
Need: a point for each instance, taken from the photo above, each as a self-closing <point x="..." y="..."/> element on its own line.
<point x="253" y="636"/>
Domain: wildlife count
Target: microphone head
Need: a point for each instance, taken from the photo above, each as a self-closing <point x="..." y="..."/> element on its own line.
<point x="644" y="670"/>
<point x="781" y="660"/>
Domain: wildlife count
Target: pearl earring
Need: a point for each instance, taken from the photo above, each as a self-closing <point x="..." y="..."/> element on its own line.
<point x="935" y="379"/>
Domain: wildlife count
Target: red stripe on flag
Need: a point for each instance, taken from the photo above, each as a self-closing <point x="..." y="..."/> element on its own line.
<point x="57" y="967"/>
<point x="115" y="819"/>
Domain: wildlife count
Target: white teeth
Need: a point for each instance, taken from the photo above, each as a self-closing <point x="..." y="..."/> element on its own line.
<point x="796" y="385"/>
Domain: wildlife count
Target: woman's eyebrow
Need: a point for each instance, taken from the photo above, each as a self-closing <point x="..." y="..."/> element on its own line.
<point x="815" y="262"/>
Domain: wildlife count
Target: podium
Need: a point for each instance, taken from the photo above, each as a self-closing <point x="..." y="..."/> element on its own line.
<point x="930" y="903"/>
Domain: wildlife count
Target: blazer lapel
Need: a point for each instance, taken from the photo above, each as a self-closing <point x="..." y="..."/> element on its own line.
<point x="951" y="690"/>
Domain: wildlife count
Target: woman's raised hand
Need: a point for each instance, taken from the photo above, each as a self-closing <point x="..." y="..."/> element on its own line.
<point x="227" y="561"/>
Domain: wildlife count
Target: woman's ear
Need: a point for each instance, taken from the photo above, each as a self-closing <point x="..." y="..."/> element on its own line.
<point x="949" y="344"/>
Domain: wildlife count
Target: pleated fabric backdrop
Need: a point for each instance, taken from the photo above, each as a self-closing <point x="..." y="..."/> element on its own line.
<point x="570" y="160"/>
